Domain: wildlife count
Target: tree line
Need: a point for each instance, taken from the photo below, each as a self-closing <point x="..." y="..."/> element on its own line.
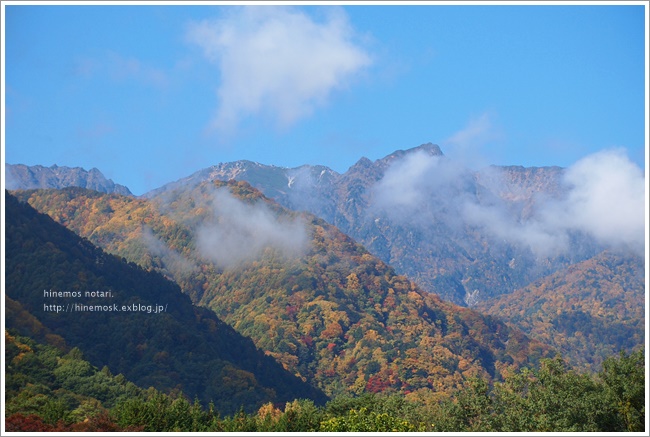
<point x="49" y="390"/>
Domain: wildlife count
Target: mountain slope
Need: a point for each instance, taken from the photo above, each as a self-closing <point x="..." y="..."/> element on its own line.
<point x="329" y="311"/>
<point x="146" y="329"/>
<point x="44" y="380"/>
<point x="23" y="177"/>
<point x="589" y="311"/>
<point x="423" y="214"/>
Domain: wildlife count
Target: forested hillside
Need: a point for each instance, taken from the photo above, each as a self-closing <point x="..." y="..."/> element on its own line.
<point x="329" y="311"/>
<point x="475" y="237"/>
<point x="588" y="311"/>
<point x="398" y="358"/>
<point x="143" y="327"/>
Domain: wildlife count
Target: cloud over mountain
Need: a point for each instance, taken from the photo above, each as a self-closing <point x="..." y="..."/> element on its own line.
<point x="242" y="231"/>
<point x="277" y="61"/>
<point x="420" y="184"/>
<point x="602" y="196"/>
<point x="606" y="199"/>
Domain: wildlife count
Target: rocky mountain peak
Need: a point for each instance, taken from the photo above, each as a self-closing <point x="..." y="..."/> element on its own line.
<point x="23" y="177"/>
<point x="362" y="164"/>
<point x="428" y="148"/>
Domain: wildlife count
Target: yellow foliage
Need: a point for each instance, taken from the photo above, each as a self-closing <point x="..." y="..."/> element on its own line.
<point x="23" y="347"/>
<point x="269" y="412"/>
<point x="353" y="282"/>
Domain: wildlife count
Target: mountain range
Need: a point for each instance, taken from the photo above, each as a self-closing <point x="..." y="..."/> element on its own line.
<point x="438" y="223"/>
<point x="313" y="299"/>
<point x="464" y="235"/>
<point x="23" y="177"/>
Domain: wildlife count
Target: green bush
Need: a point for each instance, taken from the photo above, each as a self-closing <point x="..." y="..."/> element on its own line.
<point x="367" y="421"/>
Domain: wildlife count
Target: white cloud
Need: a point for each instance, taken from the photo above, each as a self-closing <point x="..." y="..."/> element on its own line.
<point x="400" y="186"/>
<point x="242" y="231"/>
<point x="602" y="196"/>
<point x="606" y="199"/>
<point x="416" y="179"/>
<point x="172" y="259"/>
<point x="473" y="133"/>
<point x="277" y="61"/>
<point x="468" y="144"/>
<point x="421" y="190"/>
<point x="543" y="238"/>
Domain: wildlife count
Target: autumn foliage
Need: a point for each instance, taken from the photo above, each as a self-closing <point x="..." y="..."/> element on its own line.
<point x="337" y="316"/>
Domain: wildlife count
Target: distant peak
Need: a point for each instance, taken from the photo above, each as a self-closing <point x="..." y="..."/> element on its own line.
<point x="430" y="148"/>
<point x="24" y="177"/>
<point x="362" y="163"/>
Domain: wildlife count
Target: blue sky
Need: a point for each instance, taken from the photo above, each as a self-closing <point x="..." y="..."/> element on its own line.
<point x="149" y="94"/>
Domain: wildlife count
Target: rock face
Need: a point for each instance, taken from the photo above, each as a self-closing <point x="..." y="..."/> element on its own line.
<point x="23" y="177"/>
<point x="414" y="210"/>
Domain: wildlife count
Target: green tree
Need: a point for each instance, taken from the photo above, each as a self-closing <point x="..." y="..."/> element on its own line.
<point x="367" y="421"/>
<point x="624" y="379"/>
